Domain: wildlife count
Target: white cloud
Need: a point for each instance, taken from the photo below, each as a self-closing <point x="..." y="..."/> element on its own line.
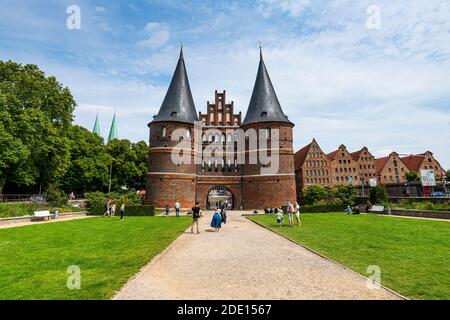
<point x="157" y="35"/>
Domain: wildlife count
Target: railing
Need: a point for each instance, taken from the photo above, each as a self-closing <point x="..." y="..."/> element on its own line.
<point x="21" y="198"/>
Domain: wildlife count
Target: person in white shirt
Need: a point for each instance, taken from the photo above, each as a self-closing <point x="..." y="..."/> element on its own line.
<point x="297" y="213"/>
<point x="177" y="208"/>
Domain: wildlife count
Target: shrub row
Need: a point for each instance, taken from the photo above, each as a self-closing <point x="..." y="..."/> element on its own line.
<point x="322" y="208"/>
<point x="136" y="211"/>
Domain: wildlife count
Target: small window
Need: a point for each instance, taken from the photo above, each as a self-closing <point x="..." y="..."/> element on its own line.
<point x="174" y="114"/>
<point x="188" y="132"/>
<point x="264" y="114"/>
<point x="163" y="132"/>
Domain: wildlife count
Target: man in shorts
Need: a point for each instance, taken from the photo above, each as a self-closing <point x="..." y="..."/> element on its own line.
<point x="196" y="214"/>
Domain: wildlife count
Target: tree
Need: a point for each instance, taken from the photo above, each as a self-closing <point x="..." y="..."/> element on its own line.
<point x="12" y="152"/>
<point x="412" y="176"/>
<point x="129" y="164"/>
<point x="314" y="194"/>
<point x="448" y="175"/>
<point x="36" y="111"/>
<point x="89" y="162"/>
<point x="378" y="194"/>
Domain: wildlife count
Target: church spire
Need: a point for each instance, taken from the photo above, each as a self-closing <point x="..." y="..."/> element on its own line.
<point x="113" y="131"/>
<point x="178" y="104"/>
<point x="264" y="104"/>
<point x="96" y="129"/>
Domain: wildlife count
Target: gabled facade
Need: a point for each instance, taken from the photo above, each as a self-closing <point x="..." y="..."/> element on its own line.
<point x="424" y="161"/>
<point x="365" y="162"/>
<point x="343" y="167"/>
<point x="312" y="167"/>
<point x="391" y="169"/>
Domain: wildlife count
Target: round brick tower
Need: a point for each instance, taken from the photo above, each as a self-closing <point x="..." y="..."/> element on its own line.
<point x="271" y="181"/>
<point x="169" y="181"/>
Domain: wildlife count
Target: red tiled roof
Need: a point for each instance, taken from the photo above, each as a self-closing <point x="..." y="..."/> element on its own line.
<point x="355" y="155"/>
<point x="380" y="163"/>
<point x="413" y="162"/>
<point x="300" y="156"/>
<point x="332" y="154"/>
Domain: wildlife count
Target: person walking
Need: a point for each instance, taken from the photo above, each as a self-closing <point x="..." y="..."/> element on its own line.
<point x="107" y="209"/>
<point x="177" y="209"/>
<point x="290" y="212"/>
<point x="113" y="209"/>
<point x="297" y="213"/>
<point x="196" y="214"/>
<point x="122" y="210"/>
<point x="167" y="209"/>
<point x="216" y="221"/>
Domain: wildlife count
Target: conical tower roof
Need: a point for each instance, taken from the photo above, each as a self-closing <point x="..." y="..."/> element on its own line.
<point x="113" y="131"/>
<point x="264" y="105"/>
<point x="178" y="104"/>
<point x="96" y="129"/>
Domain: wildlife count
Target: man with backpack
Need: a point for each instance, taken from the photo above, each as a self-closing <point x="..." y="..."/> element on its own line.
<point x="196" y="214"/>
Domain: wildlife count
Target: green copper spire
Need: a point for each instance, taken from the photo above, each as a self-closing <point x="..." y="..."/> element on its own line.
<point x="97" y="126"/>
<point x="113" y="132"/>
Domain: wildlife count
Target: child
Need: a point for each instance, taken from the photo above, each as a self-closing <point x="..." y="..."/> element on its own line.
<point x="216" y="222"/>
<point x="279" y="217"/>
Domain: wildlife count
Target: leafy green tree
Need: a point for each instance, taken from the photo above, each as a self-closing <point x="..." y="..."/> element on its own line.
<point x="347" y="194"/>
<point x="448" y="175"/>
<point x="378" y="194"/>
<point x="412" y="176"/>
<point x="313" y="194"/>
<point x="129" y="165"/>
<point x="89" y="162"/>
<point x="36" y="111"/>
<point x="12" y="152"/>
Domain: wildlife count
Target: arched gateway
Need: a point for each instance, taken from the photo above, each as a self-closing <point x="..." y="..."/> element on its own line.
<point x="219" y="194"/>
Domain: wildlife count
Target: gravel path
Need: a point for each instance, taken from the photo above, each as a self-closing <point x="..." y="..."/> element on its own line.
<point x="244" y="261"/>
<point x="20" y="223"/>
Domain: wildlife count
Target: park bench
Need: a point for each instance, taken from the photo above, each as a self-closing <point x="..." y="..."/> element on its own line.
<point x="377" y="209"/>
<point x="41" y="215"/>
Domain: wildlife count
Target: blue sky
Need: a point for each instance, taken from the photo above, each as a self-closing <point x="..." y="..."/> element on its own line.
<point x="338" y="80"/>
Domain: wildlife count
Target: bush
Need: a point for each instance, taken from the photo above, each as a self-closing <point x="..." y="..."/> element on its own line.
<point x="8" y="210"/>
<point x="55" y="197"/>
<point x="99" y="199"/>
<point x="339" y="195"/>
<point x="322" y="208"/>
<point x="135" y="211"/>
<point x="378" y="194"/>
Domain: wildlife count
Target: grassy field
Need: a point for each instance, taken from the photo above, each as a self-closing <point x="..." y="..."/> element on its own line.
<point x="413" y="254"/>
<point x="34" y="259"/>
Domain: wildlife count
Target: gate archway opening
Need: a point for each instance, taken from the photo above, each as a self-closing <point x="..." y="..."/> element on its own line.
<point x="220" y="194"/>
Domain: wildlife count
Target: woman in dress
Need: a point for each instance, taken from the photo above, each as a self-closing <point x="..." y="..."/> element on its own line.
<point x="297" y="213"/>
<point x="216" y="222"/>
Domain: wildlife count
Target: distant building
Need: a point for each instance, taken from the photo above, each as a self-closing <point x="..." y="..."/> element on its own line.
<point x="424" y="161"/>
<point x="365" y="165"/>
<point x="391" y="169"/>
<point x="343" y="167"/>
<point x="312" y="166"/>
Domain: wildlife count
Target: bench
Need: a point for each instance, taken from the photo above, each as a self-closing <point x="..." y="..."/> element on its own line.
<point x="377" y="209"/>
<point x="41" y="215"/>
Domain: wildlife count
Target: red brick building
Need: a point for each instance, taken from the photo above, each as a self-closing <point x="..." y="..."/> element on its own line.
<point x="312" y="167"/>
<point x="424" y="161"/>
<point x="343" y="167"/>
<point x="220" y="174"/>
<point x="391" y="169"/>
<point x="365" y="162"/>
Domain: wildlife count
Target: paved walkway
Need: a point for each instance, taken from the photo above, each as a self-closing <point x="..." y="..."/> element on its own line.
<point x="25" y="222"/>
<point x="244" y="261"/>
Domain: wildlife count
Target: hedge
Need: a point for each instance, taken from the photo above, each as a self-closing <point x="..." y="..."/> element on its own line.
<point x="136" y="211"/>
<point x="319" y="208"/>
<point x="322" y="208"/>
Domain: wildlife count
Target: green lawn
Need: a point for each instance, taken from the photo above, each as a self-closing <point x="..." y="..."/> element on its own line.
<point x="413" y="254"/>
<point x="34" y="259"/>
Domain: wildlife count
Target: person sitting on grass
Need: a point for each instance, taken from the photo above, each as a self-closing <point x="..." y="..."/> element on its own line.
<point x="348" y="210"/>
<point x="356" y="210"/>
<point x="216" y="222"/>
